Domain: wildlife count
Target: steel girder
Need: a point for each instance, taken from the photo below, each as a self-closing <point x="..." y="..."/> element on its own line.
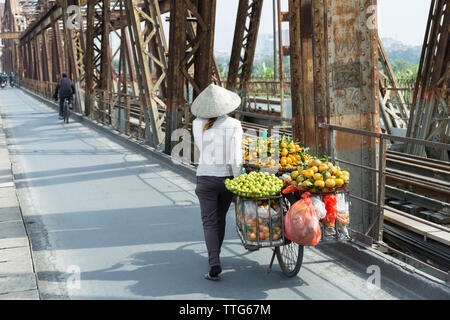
<point x="333" y="50"/>
<point x="244" y="45"/>
<point x="430" y="112"/>
<point x="191" y="58"/>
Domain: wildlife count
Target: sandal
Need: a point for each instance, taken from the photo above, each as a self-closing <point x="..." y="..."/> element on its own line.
<point x="212" y="278"/>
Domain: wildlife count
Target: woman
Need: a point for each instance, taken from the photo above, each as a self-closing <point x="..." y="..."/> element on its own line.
<point x="219" y="138"/>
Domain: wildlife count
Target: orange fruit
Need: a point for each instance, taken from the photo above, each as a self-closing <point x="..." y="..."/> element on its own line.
<point x="318" y="176"/>
<point x="283" y="161"/>
<point x="319" y="184"/>
<point x="284" y="152"/>
<point x="252" y="236"/>
<point x="330" y="183"/>
<point x="308" y="173"/>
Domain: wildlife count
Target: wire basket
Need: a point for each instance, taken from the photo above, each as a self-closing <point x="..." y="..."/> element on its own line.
<point x="259" y="222"/>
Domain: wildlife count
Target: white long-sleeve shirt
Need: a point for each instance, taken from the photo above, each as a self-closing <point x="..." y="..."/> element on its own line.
<point x="220" y="147"/>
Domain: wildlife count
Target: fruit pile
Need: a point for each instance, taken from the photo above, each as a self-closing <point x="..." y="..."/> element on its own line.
<point x="260" y="227"/>
<point x="255" y="185"/>
<point x="262" y="152"/>
<point x="259" y="152"/>
<point x="318" y="176"/>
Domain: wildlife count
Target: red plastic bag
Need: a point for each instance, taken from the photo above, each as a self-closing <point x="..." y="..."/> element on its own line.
<point x="332" y="212"/>
<point x="301" y="223"/>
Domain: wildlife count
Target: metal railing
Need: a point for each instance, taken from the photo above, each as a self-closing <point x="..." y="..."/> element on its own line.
<point x="380" y="171"/>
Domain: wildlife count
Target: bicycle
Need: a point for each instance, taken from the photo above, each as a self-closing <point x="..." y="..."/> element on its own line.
<point x="66" y="110"/>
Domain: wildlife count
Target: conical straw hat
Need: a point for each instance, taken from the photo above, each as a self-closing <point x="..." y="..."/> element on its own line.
<point x="214" y="102"/>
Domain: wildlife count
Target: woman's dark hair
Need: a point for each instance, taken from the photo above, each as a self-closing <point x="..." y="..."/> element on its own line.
<point x="209" y="124"/>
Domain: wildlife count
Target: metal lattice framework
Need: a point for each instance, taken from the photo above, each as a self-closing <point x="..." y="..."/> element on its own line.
<point x="430" y="111"/>
<point x="128" y="75"/>
<point x="244" y="43"/>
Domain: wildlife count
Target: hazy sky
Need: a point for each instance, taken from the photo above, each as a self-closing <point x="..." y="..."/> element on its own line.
<point x="403" y="20"/>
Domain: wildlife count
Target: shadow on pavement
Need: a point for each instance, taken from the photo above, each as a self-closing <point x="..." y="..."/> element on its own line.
<point x="171" y="274"/>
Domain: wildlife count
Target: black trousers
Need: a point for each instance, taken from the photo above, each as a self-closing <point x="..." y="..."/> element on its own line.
<point x="215" y="200"/>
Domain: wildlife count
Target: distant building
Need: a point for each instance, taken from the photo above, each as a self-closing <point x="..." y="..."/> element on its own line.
<point x="285" y="37"/>
<point x="264" y="45"/>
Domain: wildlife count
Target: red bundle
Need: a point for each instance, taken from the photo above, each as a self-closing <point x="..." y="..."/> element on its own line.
<point x="332" y="212"/>
<point x="302" y="224"/>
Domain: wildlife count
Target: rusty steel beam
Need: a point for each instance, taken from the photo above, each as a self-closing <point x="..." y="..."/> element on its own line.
<point x="175" y="85"/>
<point x="135" y="14"/>
<point x="204" y="61"/>
<point x="57" y="57"/>
<point x="245" y="38"/>
<point x="89" y="58"/>
<point x="10" y="35"/>
<point x="333" y="50"/>
<point x="74" y="52"/>
<point x="429" y="110"/>
<point x="191" y="59"/>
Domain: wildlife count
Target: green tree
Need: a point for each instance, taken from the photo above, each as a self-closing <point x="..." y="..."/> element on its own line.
<point x="404" y="69"/>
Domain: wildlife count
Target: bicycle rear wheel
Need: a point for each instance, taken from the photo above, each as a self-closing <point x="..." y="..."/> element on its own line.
<point x="290" y="258"/>
<point x="66" y="112"/>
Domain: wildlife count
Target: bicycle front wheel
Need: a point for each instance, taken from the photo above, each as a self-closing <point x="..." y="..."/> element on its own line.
<point x="290" y="258"/>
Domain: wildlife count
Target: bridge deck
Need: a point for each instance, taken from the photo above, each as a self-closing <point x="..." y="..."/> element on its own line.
<point x="132" y="226"/>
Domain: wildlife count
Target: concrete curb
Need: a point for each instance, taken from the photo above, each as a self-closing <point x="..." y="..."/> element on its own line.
<point x="393" y="271"/>
<point x="18" y="279"/>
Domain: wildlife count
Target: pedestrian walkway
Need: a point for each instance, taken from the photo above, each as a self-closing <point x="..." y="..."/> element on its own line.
<point x="17" y="277"/>
<point x="108" y="222"/>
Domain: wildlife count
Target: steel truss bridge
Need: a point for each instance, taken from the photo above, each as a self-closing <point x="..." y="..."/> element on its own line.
<point x="133" y="75"/>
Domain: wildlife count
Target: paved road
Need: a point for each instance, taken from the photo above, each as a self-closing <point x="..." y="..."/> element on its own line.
<point x="132" y="226"/>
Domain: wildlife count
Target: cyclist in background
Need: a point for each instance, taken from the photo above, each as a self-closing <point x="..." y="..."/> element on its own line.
<point x="12" y="79"/>
<point x="3" y="77"/>
<point x="66" y="89"/>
